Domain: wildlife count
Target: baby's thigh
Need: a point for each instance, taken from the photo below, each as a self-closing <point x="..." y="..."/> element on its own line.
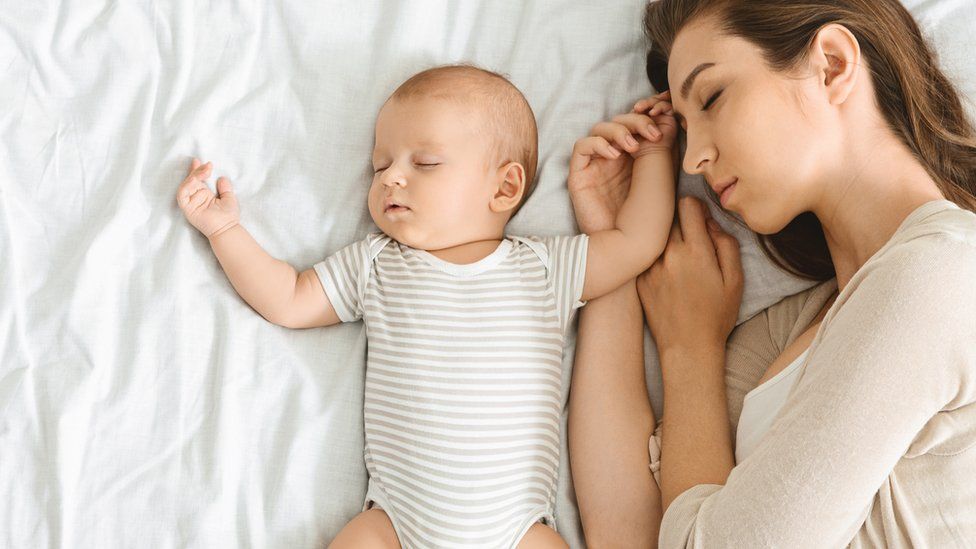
<point x="370" y="529"/>
<point x="541" y="536"/>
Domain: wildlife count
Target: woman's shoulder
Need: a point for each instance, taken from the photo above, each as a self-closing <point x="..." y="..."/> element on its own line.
<point x="934" y="247"/>
<point x="937" y="225"/>
<point x="923" y="280"/>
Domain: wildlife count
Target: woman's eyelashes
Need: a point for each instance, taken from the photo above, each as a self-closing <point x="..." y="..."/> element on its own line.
<point x="712" y="100"/>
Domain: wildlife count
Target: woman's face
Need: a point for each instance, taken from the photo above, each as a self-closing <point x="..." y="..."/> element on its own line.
<point x="771" y="131"/>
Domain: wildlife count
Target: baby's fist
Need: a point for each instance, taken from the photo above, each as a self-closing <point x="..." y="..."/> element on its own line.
<point x="211" y="214"/>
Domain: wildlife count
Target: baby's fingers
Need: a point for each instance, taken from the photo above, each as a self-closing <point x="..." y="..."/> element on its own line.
<point x="199" y="198"/>
<point x="637" y="123"/>
<point x="616" y="132"/>
<point x="198" y="171"/>
<point x="195" y="179"/>
<point x="588" y="147"/>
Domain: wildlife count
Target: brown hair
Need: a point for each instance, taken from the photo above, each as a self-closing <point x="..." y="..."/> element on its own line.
<point x="920" y="105"/>
<point x="507" y="113"/>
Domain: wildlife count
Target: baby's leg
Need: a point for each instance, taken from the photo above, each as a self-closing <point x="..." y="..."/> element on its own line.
<point x="541" y="536"/>
<point x="370" y="529"/>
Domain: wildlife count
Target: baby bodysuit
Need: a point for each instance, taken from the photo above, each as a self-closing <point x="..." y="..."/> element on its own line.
<point x="463" y="382"/>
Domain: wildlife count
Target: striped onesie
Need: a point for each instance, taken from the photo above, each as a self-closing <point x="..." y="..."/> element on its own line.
<point x="463" y="382"/>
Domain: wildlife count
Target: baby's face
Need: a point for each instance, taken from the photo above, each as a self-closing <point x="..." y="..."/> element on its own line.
<point x="433" y="182"/>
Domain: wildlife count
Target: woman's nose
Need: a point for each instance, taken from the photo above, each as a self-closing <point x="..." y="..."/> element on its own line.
<point x="697" y="155"/>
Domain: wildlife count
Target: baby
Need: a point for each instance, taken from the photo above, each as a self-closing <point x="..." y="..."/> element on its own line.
<point x="465" y="323"/>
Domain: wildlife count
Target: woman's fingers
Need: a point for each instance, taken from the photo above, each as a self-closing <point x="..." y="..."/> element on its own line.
<point x="729" y="258"/>
<point x="675" y="237"/>
<point x="661" y="108"/>
<point x="588" y="147"/>
<point x="692" y="218"/>
<point x="645" y="104"/>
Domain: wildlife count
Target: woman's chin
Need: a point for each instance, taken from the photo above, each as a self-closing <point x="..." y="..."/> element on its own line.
<point x="757" y="223"/>
<point x="765" y="226"/>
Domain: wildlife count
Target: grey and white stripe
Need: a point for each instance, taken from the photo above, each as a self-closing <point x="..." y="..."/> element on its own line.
<point x="463" y="382"/>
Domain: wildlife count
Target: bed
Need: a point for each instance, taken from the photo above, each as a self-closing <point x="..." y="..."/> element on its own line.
<point x="142" y="401"/>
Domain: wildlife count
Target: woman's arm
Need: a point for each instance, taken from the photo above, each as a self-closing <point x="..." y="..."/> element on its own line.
<point x="610" y="421"/>
<point x="891" y="356"/>
<point x="696" y="441"/>
<point x="691" y="299"/>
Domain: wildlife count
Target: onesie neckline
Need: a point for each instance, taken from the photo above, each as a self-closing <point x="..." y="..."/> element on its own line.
<point x="468" y="269"/>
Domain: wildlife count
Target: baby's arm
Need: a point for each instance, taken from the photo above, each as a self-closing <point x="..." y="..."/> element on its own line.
<point x="271" y="286"/>
<point x="644" y="222"/>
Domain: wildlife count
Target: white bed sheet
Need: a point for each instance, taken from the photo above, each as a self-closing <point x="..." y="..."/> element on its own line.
<point x="142" y="402"/>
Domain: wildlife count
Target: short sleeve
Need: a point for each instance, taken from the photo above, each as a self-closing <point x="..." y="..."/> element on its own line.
<point x="343" y="276"/>
<point x="567" y="272"/>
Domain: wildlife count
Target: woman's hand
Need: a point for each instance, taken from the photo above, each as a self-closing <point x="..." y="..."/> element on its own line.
<point x="691" y="294"/>
<point x="211" y="214"/>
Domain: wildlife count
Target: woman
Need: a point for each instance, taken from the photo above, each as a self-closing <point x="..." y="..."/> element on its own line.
<point x="855" y="161"/>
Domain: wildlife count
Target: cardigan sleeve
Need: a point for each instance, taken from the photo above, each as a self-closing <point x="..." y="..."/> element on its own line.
<point x="895" y="349"/>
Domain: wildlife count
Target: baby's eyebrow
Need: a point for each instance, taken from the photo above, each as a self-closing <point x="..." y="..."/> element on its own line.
<point x="432" y="146"/>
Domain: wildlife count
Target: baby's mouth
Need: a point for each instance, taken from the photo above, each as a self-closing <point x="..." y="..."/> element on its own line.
<point x="395" y="208"/>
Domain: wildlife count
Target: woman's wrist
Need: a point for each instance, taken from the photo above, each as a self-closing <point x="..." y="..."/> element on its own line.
<point x="691" y="365"/>
<point x="696" y="342"/>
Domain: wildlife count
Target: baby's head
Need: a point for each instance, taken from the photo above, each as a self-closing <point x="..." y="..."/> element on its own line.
<point x="455" y="150"/>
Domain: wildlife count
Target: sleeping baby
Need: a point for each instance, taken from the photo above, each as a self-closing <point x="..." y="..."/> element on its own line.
<point x="465" y="323"/>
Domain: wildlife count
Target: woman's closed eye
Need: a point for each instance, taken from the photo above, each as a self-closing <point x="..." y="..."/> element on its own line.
<point x="713" y="99"/>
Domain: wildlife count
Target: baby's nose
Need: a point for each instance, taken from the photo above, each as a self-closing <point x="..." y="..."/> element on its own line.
<point x="391" y="178"/>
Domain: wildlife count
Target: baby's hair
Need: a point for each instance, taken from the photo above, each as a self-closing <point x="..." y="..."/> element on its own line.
<point x="507" y="113"/>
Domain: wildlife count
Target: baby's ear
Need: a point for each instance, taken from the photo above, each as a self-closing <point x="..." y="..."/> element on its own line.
<point x="511" y="188"/>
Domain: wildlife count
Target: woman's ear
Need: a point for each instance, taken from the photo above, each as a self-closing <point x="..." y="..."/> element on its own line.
<point x="511" y="187"/>
<point x="835" y="55"/>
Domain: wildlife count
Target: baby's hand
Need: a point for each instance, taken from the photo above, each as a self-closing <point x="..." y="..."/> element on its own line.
<point x="210" y="214"/>
<point x="659" y="110"/>
<point x="640" y="133"/>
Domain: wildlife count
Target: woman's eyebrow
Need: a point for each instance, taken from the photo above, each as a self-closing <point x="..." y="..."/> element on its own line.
<point x="690" y="81"/>
<point x="686" y="87"/>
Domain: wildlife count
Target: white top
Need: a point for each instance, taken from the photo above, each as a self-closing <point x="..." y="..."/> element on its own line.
<point x="876" y="444"/>
<point x="463" y="382"/>
<point x="762" y="404"/>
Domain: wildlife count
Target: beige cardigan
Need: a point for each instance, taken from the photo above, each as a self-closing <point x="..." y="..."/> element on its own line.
<point x="876" y="445"/>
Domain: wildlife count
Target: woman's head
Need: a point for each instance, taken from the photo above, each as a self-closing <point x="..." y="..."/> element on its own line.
<point x="772" y="92"/>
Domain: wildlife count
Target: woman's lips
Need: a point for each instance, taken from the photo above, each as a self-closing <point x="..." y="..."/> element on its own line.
<point x="727" y="194"/>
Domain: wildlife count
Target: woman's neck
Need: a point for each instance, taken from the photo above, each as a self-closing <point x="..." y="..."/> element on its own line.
<point x="860" y="212"/>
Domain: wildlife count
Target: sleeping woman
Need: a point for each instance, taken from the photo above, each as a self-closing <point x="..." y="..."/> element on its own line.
<point x="844" y="415"/>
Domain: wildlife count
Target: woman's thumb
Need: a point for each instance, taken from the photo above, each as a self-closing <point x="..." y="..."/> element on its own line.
<point x="727" y="251"/>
